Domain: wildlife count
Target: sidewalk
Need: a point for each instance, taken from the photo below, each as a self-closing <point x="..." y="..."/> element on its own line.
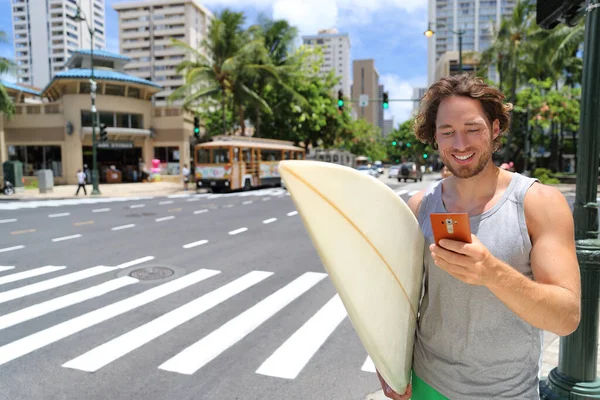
<point x="106" y="190"/>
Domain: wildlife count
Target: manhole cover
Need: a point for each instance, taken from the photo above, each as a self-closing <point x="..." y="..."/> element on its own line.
<point x="151" y="273"/>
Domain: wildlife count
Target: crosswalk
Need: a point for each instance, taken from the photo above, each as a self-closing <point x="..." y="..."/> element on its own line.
<point x="288" y="361"/>
<point x="17" y="205"/>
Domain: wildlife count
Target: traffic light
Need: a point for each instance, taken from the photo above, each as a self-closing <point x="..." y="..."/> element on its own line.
<point x="196" y="127"/>
<point x="407" y="144"/>
<point x="103" y="133"/>
<point x="340" y="99"/>
<point x="425" y="155"/>
<point x="550" y="13"/>
<point x="386" y="104"/>
<point x="394" y="143"/>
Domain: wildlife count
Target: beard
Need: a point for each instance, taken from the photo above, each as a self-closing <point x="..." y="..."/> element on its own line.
<point x="467" y="171"/>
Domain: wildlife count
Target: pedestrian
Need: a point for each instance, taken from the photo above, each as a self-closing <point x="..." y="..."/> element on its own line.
<point x="486" y="304"/>
<point x="185" y="172"/>
<point x="81" y="182"/>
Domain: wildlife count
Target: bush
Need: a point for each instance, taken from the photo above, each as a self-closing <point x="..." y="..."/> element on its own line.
<point x="545" y="176"/>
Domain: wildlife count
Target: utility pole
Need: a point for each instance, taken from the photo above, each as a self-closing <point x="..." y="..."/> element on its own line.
<point x="575" y="377"/>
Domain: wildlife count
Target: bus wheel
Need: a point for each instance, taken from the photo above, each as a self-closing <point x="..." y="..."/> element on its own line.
<point x="247" y="185"/>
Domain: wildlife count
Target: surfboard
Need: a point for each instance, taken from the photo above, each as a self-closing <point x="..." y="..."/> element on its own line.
<point x="371" y="246"/>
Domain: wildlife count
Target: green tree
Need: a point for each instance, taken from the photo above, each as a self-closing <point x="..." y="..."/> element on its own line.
<point x="7" y="106"/>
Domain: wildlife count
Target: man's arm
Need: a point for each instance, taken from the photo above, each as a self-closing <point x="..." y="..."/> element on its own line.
<point x="552" y="300"/>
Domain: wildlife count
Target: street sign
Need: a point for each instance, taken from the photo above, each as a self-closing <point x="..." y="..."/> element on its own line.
<point x="363" y="100"/>
<point x="115" y="145"/>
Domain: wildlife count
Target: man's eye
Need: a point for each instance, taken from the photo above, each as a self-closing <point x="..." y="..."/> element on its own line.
<point x="473" y="130"/>
<point x="447" y="133"/>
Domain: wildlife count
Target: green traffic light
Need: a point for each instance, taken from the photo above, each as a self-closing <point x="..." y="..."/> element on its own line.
<point x="386" y="105"/>
<point x="394" y="143"/>
<point x="407" y="144"/>
<point x="425" y="155"/>
<point x="340" y="103"/>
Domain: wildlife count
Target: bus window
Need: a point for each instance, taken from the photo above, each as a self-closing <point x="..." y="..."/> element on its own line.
<point x="246" y="156"/>
<point x="299" y="155"/>
<point x="286" y="155"/>
<point x="203" y="156"/>
<point x="221" y="156"/>
<point x="270" y="155"/>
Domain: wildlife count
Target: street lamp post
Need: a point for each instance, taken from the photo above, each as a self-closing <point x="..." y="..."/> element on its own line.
<point x="429" y="33"/>
<point x="79" y="17"/>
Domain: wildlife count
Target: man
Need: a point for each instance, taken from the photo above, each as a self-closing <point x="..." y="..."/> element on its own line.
<point x="81" y="182"/>
<point x="185" y="172"/>
<point x="486" y="304"/>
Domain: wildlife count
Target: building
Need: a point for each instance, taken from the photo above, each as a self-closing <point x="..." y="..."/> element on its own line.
<point x="366" y="81"/>
<point x="418" y="94"/>
<point x="52" y="128"/>
<point x="145" y="32"/>
<point x="336" y="55"/>
<point x="46" y="37"/>
<point x="477" y="18"/>
<point x="448" y="64"/>
<point x="388" y="126"/>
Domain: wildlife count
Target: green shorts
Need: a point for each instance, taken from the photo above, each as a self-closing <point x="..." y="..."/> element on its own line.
<point x="422" y="391"/>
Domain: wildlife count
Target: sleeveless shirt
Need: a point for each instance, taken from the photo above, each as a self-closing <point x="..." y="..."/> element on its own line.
<point x="469" y="345"/>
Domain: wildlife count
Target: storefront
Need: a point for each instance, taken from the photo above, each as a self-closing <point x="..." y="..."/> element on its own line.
<point x="52" y="128"/>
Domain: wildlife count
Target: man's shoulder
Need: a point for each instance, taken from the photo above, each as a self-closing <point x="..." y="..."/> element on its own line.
<point x="544" y="205"/>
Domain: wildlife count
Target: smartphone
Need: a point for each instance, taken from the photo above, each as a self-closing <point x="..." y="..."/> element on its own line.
<point x="454" y="226"/>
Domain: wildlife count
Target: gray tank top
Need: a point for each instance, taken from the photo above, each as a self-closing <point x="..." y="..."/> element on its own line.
<point x="469" y="345"/>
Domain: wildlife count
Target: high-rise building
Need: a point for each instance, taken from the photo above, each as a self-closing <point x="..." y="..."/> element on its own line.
<point x="46" y="37"/>
<point x="366" y="81"/>
<point x="418" y="94"/>
<point x="388" y="126"/>
<point x="336" y="55"/>
<point x="476" y="18"/>
<point x="145" y="32"/>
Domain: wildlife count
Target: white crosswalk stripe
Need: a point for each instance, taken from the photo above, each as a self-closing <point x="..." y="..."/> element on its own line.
<point x="292" y="356"/>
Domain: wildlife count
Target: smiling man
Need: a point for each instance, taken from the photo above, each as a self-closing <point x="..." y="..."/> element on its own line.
<point x="486" y="304"/>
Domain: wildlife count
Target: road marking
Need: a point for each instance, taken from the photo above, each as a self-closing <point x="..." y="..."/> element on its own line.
<point x="118" y="228"/>
<point x="52" y="283"/>
<point x="110" y="351"/>
<point x="266" y="199"/>
<point x="83" y="223"/>
<point x="413" y="192"/>
<point x="164" y="218"/>
<point x="35" y="341"/>
<point x="290" y="214"/>
<point x="201" y="211"/>
<point x="175" y="210"/>
<point x="12" y="248"/>
<point x="268" y="221"/>
<point x="208" y="348"/>
<point x="59" y="215"/>
<point x="368" y="366"/>
<point x="401" y="192"/>
<point x="247" y="202"/>
<point x="293" y="355"/>
<point x="137" y="206"/>
<point x="135" y="262"/>
<point x="99" y="210"/>
<point x="166" y="202"/>
<point x="194" y="244"/>
<point x="23" y="231"/>
<point x="6" y="221"/>
<point x="193" y="199"/>
<point x="228" y="206"/>
<point x="37" y="310"/>
<point x="60" y="239"/>
<point x="29" y="274"/>
<point x="6" y="268"/>
<point x="235" y="232"/>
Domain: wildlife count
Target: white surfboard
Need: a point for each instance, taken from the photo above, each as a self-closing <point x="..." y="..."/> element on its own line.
<point x="372" y="249"/>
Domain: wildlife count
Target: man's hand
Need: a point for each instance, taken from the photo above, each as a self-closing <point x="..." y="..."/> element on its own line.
<point x="390" y="394"/>
<point x="471" y="263"/>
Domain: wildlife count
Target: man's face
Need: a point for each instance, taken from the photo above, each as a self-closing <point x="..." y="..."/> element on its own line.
<point x="464" y="136"/>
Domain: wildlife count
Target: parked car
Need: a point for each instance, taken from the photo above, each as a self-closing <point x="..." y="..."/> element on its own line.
<point x="378" y="165"/>
<point x="393" y="171"/>
<point x="410" y="170"/>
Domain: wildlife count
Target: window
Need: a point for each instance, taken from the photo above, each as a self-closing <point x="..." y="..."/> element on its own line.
<point x="112" y="119"/>
<point x="221" y="156"/>
<point x="270" y="155"/>
<point x="203" y="156"/>
<point x="35" y="158"/>
<point x="169" y="159"/>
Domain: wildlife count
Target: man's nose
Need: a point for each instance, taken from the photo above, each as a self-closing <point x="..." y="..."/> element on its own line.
<point x="460" y="141"/>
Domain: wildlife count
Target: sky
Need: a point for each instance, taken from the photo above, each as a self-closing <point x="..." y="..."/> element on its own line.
<point x="388" y="31"/>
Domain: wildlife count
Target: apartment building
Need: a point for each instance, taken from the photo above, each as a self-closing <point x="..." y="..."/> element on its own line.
<point x="476" y="18"/>
<point x="336" y="55"/>
<point x="145" y="32"/>
<point x="366" y="81"/>
<point x="45" y="36"/>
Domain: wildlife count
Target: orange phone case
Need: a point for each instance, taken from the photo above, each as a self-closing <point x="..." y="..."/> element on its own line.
<point x="454" y="226"/>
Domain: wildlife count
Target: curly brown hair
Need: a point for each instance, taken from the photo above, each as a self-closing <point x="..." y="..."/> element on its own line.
<point x="492" y="101"/>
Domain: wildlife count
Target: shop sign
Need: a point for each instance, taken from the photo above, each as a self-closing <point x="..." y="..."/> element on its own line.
<point x="115" y="145"/>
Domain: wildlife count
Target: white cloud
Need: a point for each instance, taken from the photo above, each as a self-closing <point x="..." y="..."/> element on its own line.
<point x="398" y="88"/>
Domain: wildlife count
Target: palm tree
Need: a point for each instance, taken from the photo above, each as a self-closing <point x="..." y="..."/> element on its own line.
<point x="7" y="106"/>
<point x="223" y="67"/>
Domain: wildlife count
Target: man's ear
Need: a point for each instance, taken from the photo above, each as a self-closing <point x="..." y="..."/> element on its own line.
<point x="496" y="128"/>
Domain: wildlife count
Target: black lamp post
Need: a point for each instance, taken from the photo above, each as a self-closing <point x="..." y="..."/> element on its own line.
<point x="79" y="17"/>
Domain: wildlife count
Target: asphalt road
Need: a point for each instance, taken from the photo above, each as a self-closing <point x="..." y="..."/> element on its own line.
<point x="187" y="297"/>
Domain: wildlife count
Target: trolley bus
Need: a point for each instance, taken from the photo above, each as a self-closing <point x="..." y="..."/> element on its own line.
<point x="239" y="162"/>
